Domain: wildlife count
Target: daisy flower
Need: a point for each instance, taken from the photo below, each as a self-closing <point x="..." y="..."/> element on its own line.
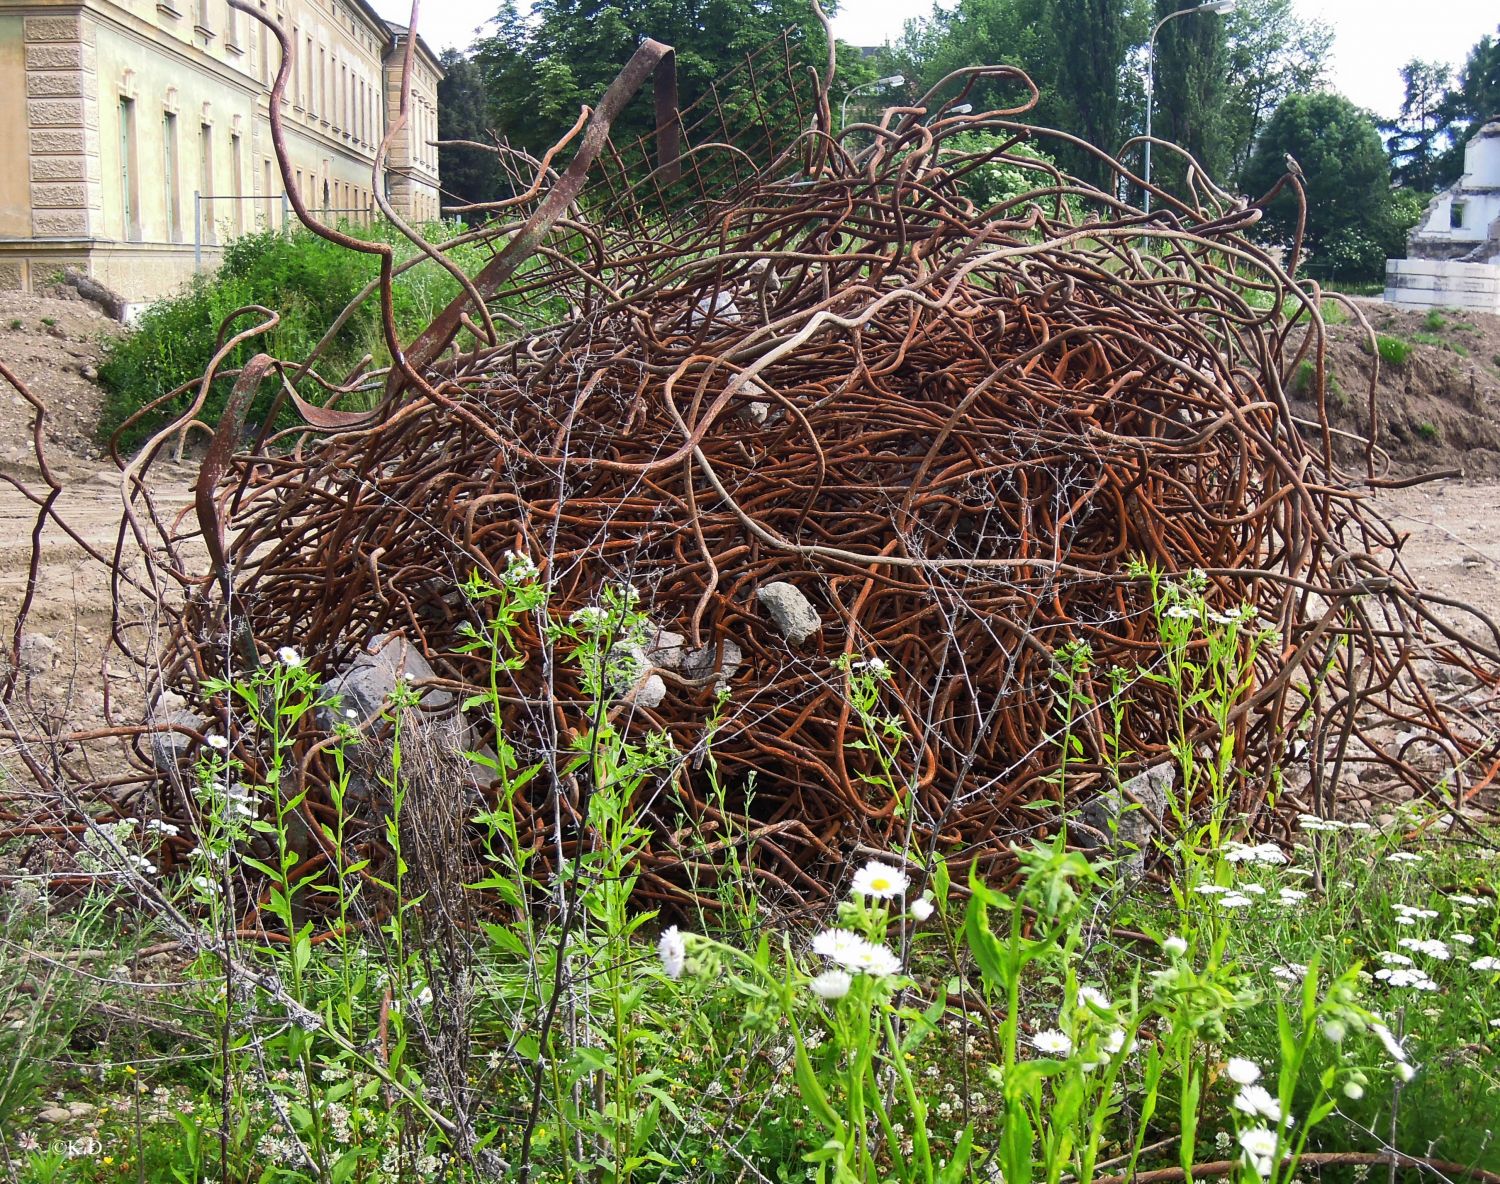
<point x="880" y="881"/>
<point x="1051" y="1041"/>
<point x="831" y="984"/>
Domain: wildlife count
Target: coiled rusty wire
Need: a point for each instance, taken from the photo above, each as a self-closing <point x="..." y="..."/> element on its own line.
<point x="794" y="354"/>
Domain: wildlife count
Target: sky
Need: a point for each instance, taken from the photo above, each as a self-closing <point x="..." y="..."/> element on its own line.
<point x="1372" y="38"/>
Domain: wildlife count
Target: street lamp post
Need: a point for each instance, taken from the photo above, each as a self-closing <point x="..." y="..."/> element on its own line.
<point x="891" y="80"/>
<point x="1210" y="6"/>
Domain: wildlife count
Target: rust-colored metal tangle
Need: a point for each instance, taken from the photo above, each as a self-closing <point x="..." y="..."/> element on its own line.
<point x="946" y="391"/>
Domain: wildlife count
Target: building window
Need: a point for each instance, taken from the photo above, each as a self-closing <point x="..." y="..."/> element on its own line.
<point x="130" y="194"/>
<point x="1456" y="216"/>
<point x="237" y="164"/>
<point x="268" y="187"/>
<point x="206" y="183"/>
<point x="169" y="175"/>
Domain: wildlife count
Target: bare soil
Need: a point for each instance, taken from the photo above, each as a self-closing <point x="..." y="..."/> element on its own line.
<point x="1438" y="410"/>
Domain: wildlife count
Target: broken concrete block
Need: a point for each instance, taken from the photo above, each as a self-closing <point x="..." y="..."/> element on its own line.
<point x="1124" y="815"/>
<point x="792" y="612"/>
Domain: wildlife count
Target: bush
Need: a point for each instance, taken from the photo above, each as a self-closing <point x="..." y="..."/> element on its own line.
<point x="307" y="279"/>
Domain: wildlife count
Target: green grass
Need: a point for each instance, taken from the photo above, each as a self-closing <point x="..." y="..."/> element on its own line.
<point x="1429" y="432"/>
<point x="16" y="322"/>
<point x="1392" y="350"/>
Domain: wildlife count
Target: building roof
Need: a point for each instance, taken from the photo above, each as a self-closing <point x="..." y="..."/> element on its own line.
<point x="399" y="31"/>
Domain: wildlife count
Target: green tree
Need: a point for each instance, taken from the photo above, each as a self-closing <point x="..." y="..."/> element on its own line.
<point x="542" y="67"/>
<point x="1191" y="90"/>
<point x="1078" y="52"/>
<point x="469" y="174"/>
<point x="1272" y="53"/>
<point x="1351" y="223"/>
<point x="1477" y="97"/>
<point x="1416" y="139"/>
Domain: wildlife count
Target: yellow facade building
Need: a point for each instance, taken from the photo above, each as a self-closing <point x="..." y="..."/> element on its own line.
<point x="135" y="134"/>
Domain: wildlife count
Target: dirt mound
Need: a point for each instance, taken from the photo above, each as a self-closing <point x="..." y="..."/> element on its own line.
<point x="53" y="343"/>
<point x="1439" y="408"/>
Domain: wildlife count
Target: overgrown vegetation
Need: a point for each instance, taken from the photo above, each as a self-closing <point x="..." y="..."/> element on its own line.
<point x="425" y="1015"/>
<point x="307" y="280"/>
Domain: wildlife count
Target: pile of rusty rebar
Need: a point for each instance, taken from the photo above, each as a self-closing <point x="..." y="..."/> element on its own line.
<point x="955" y="414"/>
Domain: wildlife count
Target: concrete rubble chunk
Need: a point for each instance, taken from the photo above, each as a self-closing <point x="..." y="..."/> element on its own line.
<point x="667" y="650"/>
<point x="38" y="654"/>
<point x="1124" y="815"/>
<point x="704" y="661"/>
<point x="651" y="692"/>
<point x="365" y="685"/>
<point x="792" y="612"/>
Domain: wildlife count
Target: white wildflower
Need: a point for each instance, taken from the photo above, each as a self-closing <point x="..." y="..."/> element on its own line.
<point x="1487" y="963"/>
<point x="880" y="881"/>
<point x="831" y="984"/>
<point x="1257" y="1100"/>
<point x="287" y="656"/>
<point x="218" y="741"/>
<point x="1051" y="1041"/>
<point x="922" y="908"/>
<point x="1242" y="1071"/>
<point x="1174" y="945"/>
<point x="672" y="949"/>
<point x="1094" y="997"/>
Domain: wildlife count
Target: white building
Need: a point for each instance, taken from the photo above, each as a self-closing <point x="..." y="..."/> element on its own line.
<point x="1453" y="254"/>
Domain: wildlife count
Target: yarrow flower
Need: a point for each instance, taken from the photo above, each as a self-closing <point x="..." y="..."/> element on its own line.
<point x="1487" y="963"/>
<point x="1051" y="1041"/>
<point x="831" y="984"/>
<point x="672" y="949"/>
<point x="1292" y="972"/>
<point x="1429" y="946"/>
<point x="880" y="881"/>
<point x="1235" y="900"/>
<point x="1403" y="857"/>
<point x="1241" y="1071"/>
<point x="1260" y="853"/>
<point x="1400" y="977"/>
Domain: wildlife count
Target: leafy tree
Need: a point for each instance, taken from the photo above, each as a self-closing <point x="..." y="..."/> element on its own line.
<point x="1272" y="53"/>
<point x="1351" y="221"/>
<point x="1477" y="97"/>
<point x="469" y="174"/>
<point x="1078" y="52"/>
<point x="1416" y="138"/>
<point x="1191" y="89"/>
<point x="540" y="68"/>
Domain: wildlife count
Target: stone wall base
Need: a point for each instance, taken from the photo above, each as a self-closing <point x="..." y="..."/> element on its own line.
<point x="140" y="272"/>
<point x="1433" y="283"/>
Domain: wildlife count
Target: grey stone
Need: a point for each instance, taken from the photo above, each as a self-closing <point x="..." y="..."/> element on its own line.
<point x="365" y="685"/>
<point x="704" y="661"/>
<point x="667" y="650"/>
<point x="38" y="654"/>
<point x="169" y="748"/>
<point x="53" y="1115"/>
<point x="1125" y="815"/>
<point x="792" y="612"/>
<point x="651" y="692"/>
